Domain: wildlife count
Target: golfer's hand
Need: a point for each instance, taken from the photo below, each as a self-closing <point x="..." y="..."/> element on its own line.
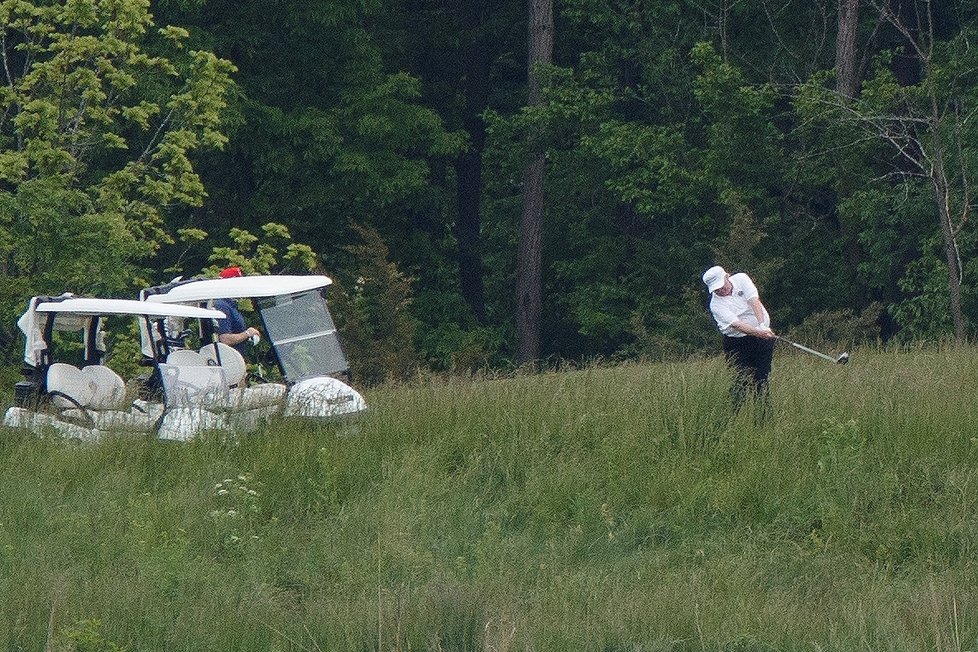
<point x="765" y="333"/>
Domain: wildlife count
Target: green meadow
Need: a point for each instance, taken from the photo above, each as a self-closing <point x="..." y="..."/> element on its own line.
<point x="606" y="508"/>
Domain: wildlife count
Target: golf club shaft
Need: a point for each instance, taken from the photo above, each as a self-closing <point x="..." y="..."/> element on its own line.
<point x="806" y="349"/>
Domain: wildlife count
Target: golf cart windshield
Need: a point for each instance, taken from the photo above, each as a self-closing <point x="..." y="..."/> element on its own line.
<point x="303" y="334"/>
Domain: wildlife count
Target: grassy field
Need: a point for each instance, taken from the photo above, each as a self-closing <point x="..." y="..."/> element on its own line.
<point x="609" y="508"/>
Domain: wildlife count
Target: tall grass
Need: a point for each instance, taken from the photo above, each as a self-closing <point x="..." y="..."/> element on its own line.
<point x="609" y="508"/>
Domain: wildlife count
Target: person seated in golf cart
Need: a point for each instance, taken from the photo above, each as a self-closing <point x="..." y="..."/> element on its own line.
<point x="233" y="330"/>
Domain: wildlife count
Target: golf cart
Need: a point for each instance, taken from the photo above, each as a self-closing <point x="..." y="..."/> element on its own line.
<point x="295" y="321"/>
<point x="85" y="401"/>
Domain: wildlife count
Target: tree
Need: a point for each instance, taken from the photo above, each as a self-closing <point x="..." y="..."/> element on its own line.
<point x="529" y="276"/>
<point x="922" y="113"/>
<point x="372" y="313"/>
<point x="846" y="52"/>
<point x="327" y="137"/>
<point x="100" y="113"/>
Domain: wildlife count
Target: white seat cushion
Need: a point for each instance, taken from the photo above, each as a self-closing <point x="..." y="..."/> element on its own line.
<point x="186" y="358"/>
<point x="232" y="361"/>
<point x="69" y="380"/>
<point x="191" y="386"/>
<point x="110" y="389"/>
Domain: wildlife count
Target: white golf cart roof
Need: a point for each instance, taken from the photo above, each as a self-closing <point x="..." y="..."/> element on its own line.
<point x="240" y="287"/>
<point x="72" y="313"/>
<point x="93" y="307"/>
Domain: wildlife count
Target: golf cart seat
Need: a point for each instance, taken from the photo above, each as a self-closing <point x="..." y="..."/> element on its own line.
<point x="229" y="359"/>
<point x="186" y="358"/>
<point x="192" y="378"/>
<point x="95" y="395"/>
<point x="189" y="385"/>
<point x="68" y="387"/>
<point x="110" y="389"/>
<point x="242" y="397"/>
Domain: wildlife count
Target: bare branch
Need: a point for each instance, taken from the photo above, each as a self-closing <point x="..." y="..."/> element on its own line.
<point x="10" y="78"/>
<point x="775" y="31"/>
<point x="900" y="175"/>
<point x="839" y="148"/>
<point x="887" y="13"/>
<point x="6" y="60"/>
<point x="151" y="145"/>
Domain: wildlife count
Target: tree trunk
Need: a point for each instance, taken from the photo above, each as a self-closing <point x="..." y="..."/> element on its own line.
<point x="541" y="43"/>
<point x="942" y="195"/>
<point x="846" y="53"/>
<point x="529" y="277"/>
<point x="468" y="168"/>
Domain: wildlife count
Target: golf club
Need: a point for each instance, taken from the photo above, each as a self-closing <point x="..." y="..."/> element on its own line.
<point x="842" y="359"/>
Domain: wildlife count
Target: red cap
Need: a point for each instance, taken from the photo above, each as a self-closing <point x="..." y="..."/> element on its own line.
<point x="231" y="272"/>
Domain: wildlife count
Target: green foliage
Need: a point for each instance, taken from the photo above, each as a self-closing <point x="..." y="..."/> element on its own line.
<point x="621" y="192"/>
<point x="841" y="328"/>
<point x="124" y="351"/>
<point x="329" y="136"/>
<point x="676" y="136"/>
<point x="262" y="255"/>
<point x="373" y="314"/>
<point x="663" y="330"/>
<point x="447" y="343"/>
<point x="647" y="172"/>
<point x="272" y="251"/>
<point x="905" y="137"/>
<point x="741" y="250"/>
<point x="744" y="145"/>
<point x="101" y="113"/>
<point x="925" y="314"/>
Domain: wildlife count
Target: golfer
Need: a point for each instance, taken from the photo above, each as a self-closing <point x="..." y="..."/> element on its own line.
<point x="748" y="341"/>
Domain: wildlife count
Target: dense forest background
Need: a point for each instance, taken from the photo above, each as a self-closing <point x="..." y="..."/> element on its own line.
<point x="826" y="147"/>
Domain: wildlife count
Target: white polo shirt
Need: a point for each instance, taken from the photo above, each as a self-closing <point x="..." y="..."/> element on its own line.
<point x="727" y="310"/>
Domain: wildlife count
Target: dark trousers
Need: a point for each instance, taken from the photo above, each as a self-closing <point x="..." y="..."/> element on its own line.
<point x="750" y="358"/>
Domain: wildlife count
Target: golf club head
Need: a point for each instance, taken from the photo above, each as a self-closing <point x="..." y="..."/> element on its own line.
<point x="843" y="358"/>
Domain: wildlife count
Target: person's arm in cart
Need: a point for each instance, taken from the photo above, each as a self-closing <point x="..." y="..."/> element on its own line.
<point x="231" y="339"/>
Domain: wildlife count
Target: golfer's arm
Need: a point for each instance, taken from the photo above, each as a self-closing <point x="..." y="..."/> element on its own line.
<point x="762" y="330"/>
<point x="760" y="312"/>
<point x="747" y="329"/>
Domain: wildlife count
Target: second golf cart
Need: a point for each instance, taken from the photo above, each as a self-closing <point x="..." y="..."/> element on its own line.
<point x="297" y="325"/>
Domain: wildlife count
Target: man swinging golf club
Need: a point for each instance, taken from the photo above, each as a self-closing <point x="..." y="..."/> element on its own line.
<point x="748" y="341"/>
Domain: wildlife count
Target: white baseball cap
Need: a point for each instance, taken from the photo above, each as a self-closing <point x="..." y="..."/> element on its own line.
<point x="714" y="278"/>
